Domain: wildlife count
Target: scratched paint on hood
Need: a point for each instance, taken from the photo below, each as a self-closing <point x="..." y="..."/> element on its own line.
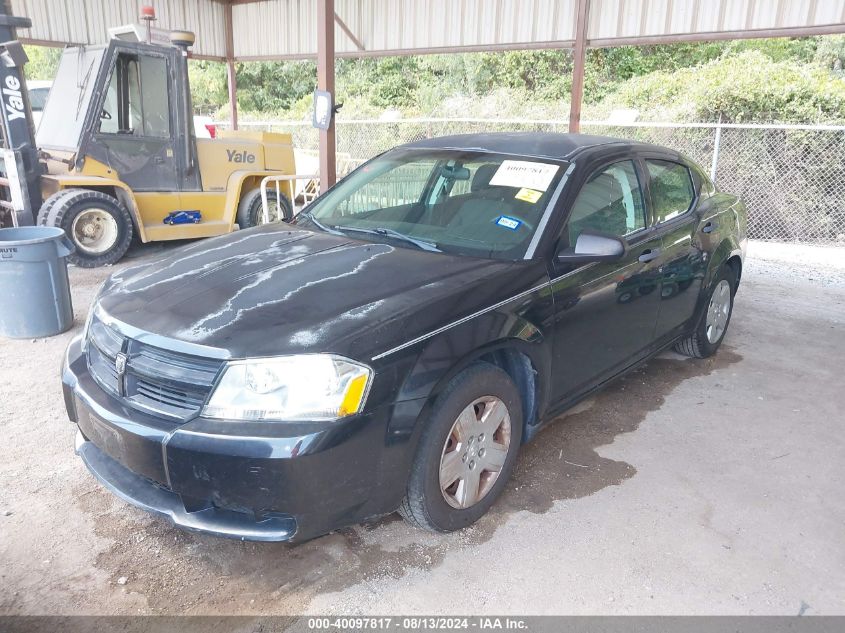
<point x="276" y="290"/>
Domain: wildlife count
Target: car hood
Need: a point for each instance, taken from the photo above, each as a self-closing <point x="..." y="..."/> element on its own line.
<point x="281" y="290"/>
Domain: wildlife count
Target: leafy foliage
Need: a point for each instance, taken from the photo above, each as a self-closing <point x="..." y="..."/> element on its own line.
<point x="749" y="86"/>
<point x="784" y="79"/>
<point x="209" y="87"/>
<point x="43" y="62"/>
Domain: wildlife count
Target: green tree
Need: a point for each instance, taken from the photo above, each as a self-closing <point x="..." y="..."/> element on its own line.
<point x="274" y="86"/>
<point x="749" y="86"/>
<point x="209" y="85"/>
<point x="43" y="62"/>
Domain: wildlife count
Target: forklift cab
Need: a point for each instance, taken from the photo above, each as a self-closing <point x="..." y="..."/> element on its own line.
<point x="125" y="105"/>
<point x="120" y="156"/>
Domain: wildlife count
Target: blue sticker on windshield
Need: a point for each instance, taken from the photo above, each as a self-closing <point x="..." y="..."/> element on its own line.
<point x="508" y="223"/>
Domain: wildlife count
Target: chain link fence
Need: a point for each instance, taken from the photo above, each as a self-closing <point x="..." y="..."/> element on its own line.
<point x="791" y="177"/>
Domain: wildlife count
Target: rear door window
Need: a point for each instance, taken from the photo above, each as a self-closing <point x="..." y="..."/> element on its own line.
<point x="672" y="192"/>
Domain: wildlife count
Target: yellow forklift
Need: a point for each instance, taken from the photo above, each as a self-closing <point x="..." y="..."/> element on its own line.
<point x="119" y="157"/>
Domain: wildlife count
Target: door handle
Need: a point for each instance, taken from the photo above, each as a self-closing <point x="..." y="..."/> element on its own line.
<point x="708" y="228"/>
<point x="649" y="254"/>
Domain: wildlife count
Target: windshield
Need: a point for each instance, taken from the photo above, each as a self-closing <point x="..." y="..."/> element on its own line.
<point x="64" y="113"/>
<point x="37" y="98"/>
<point x="462" y="202"/>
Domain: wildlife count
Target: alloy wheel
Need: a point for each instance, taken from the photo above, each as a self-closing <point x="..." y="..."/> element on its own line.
<point x="718" y="311"/>
<point x="475" y="452"/>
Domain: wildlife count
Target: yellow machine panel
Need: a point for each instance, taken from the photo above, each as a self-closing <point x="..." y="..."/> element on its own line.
<point x="130" y="171"/>
<point x="278" y="148"/>
<point x="242" y="151"/>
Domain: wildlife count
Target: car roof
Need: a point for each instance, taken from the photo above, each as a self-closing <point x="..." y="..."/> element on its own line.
<point x="539" y="144"/>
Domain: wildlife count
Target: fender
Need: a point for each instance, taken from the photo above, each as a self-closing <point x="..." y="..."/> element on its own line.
<point x="429" y="374"/>
<point x="121" y="190"/>
<point x="242" y="181"/>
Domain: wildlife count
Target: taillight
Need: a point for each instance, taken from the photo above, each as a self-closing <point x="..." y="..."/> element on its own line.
<point x="212" y="129"/>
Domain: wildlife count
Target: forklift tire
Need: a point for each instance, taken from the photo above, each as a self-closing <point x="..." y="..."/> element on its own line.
<point x="49" y="204"/>
<point x="249" y="208"/>
<point x="99" y="226"/>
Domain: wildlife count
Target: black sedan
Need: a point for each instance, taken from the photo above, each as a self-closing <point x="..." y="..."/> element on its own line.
<point x="394" y="346"/>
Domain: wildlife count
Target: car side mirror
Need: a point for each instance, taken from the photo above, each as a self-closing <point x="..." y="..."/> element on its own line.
<point x="592" y="246"/>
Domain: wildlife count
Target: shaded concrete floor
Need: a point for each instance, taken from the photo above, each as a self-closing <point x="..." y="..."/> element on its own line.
<point x="687" y="487"/>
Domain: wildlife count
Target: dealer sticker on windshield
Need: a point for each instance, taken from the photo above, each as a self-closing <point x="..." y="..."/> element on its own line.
<point x="508" y="223"/>
<point x="528" y="195"/>
<point x="525" y="174"/>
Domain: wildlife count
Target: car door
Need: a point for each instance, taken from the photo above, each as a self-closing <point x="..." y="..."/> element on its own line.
<point x="135" y="134"/>
<point x="605" y="312"/>
<point x="672" y="200"/>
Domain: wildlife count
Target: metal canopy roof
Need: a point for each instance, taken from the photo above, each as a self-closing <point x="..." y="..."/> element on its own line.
<point x="287" y="29"/>
<point x="242" y="30"/>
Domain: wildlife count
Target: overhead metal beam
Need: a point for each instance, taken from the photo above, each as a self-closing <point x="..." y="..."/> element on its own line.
<point x="438" y="50"/>
<point x="579" y="54"/>
<point x="343" y="27"/>
<point x="53" y="44"/>
<point x="231" y="76"/>
<point x="325" y="81"/>
<point x="713" y="36"/>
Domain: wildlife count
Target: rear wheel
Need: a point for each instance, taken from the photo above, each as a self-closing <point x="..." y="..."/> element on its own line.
<point x="250" y="212"/>
<point x="467" y="452"/>
<point x="99" y="226"/>
<point x="713" y="324"/>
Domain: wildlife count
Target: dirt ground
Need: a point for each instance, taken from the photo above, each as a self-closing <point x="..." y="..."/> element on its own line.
<point x="688" y="487"/>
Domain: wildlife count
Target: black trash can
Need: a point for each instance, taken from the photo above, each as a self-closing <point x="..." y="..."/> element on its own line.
<point x="34" y="289"/>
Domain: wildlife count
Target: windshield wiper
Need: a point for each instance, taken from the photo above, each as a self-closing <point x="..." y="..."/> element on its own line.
<point x="320" y="225"/>
<point x="422" y="244"/>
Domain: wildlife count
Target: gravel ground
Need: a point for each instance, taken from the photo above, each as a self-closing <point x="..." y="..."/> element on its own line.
<point x="687" y="487"/>
<point x="798" y="262"/>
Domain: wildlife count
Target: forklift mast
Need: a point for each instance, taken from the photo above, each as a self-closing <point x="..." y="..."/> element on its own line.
<point x="20" y="171"/>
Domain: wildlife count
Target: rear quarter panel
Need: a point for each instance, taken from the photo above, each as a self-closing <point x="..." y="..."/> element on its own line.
<point x="729" y="239"/>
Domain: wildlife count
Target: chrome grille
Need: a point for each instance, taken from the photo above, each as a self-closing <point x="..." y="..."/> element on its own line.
<point x="102" y="368"/>
<point x="153" y="379"/>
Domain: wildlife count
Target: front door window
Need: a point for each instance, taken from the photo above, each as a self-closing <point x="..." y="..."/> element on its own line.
<point x="134" y="136"/>
<point x="611" y="201"/>
<point x="137" y="99"/>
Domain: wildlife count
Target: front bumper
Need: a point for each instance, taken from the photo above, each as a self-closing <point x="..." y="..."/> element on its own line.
<point x="250" y="481"/>
<point x="144" y="494"/>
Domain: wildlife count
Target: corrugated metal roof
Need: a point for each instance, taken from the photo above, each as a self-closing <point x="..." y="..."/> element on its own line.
<point x="88" y="21"/>
<point x="635" y="18"/>
<point x="286" y="28"/>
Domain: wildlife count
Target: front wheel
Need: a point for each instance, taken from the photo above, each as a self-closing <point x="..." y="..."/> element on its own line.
<point x="467" y="452"/>
<point x="713" y="324"/>
<point x="99" y="226"/>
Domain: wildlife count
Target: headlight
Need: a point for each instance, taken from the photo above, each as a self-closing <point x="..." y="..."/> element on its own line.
<point x="87" y="327"/>
<point x="290" y="388"/>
